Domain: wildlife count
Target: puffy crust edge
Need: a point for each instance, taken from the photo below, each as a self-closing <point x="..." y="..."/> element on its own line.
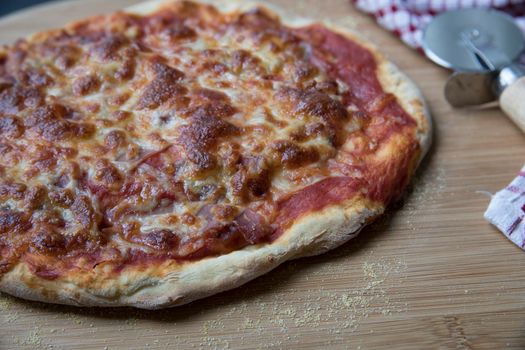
<point x="170" y="284"/>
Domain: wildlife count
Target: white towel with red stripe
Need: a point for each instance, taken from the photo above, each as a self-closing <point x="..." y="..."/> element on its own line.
<point x="506" y="210"/>
<point x="407" y="19"/>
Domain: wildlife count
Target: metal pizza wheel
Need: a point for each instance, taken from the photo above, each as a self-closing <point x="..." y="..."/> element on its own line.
<point x="481" y="46"/>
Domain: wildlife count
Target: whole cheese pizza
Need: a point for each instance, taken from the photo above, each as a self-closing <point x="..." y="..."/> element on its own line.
<point x="177" y="149"/>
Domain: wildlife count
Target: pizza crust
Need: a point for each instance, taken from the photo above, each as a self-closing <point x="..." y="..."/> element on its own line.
<point x="170" y="283"/>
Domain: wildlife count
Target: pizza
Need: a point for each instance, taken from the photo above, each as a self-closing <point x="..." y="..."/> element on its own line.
<point x="177" y="149"/>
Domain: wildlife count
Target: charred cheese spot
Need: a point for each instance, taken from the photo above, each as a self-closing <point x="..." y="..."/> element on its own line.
<point x="320" y="106"/>
<point x="12" y="190"/>
<point x="35" y="197"/>
<point x="215" y="67"/>
<point x="64" y="56"/>
<point x="10" y="126"/>
<point x="178" y="31"/>
<point x="188" y="219"/>
<point x="5" y="83"/>
<point x="17" y="98"/>
<point x="303" y="71"/>
<point x="119" y="99"/>
<point x="107" y="48"/>
<point x="291" y="155"/>
<point x="85" y="85"/>
<point x="165" y="85"/>
<point x="49" y="242"/>
<point x="203" y="131"/>
<point x="126" y="70"/>
<point x="61" y="198"/>
<point x="50" y="124"/>
<point x="14" y="222"/>
<point x="120" y="115"/>
<point x="34" y="77"/>
<point x="313" y="103"/>
<point x="243" y="60"/>
<point x="84" y="212"/>
<point x="252" y="178"/>
<point x="258" y="20"/>
<point x="115" y="139"/>
<point x="106" y="173"/>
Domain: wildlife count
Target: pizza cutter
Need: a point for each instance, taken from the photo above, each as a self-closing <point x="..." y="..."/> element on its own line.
<point x="481" y="46"/>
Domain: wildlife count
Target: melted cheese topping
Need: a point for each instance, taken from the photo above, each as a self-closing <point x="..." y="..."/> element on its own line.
<point x="174" y="132"/>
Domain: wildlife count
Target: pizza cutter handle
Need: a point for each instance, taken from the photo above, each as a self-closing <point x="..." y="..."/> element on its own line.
<point x="512" y="102"/>
<point x="509" y="85"/>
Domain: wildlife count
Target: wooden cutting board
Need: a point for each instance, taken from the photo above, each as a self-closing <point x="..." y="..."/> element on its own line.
<point x="431" y="275"/>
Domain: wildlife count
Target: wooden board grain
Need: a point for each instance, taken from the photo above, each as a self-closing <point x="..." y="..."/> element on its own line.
<point x="431" y="275"/>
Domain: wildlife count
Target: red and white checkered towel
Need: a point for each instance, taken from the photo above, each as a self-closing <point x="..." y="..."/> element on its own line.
<point x="407" y="19"/>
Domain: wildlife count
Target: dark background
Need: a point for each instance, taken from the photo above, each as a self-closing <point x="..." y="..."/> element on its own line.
<point x="8" y="6"/>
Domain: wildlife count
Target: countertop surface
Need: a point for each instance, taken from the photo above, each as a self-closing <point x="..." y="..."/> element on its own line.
<point x="430" y="274"/>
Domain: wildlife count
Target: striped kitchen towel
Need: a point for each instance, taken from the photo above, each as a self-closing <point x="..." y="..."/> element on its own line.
<point x="507" y="210"/>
